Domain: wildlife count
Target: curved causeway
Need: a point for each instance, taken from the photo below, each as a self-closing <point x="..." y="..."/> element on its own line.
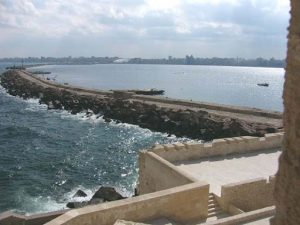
<point x="197" y="120"/>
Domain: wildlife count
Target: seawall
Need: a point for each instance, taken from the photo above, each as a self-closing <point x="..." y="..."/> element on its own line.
<point x="182" y="118"/>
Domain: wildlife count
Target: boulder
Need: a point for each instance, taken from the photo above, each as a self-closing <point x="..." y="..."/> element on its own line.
<point x="107" y="194"/>
<point x="79" y="193"/>
<point x="75" y="205"/>
<point x="95" y="201"/>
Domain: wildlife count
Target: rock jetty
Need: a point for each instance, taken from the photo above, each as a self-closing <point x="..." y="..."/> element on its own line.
<point x="181" y="120"/>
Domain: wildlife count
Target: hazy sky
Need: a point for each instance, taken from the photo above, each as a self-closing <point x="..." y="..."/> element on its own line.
<point x="149" y="28"/>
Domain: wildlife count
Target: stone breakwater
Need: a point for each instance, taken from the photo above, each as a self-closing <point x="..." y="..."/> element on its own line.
<point x="156" y="115"/>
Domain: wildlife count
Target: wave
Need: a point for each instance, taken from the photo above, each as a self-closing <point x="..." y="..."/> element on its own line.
<point x="30" y="205"/>
<point x="98" y="118"/>
<point x="33" y="105"/>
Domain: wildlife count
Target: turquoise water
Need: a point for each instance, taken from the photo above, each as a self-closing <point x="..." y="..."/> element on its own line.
<point x="219" y="84"/>
<point x="47" y="155"/>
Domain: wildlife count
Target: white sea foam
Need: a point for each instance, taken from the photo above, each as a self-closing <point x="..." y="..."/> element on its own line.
<point x="69" y="195"/>
<point x="82" y="116"/>
<point x="32" y="205"/>
<point x="33" y="105"/>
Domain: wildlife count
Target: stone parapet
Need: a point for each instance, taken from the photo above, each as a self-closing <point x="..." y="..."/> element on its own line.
<point x="11" y="218"/>
<point x="156" y="174"/>
<point x="218" y="147"/>
<point x="248" y="195"/>
<point x="184" y="204"/>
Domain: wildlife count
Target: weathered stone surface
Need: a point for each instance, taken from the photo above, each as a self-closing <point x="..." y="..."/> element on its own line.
<point x="287" y="194"/>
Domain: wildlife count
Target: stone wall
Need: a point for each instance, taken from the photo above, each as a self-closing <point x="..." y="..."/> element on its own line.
<point x="157" y="174"/>
<point x="184" y="204"/>
<point x="218" y="147"/>
<point x="10" y="218"/>
<point x="287" y="192"/>
<point x="249" y="195"/>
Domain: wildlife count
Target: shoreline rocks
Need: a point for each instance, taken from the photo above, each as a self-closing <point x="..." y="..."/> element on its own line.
<point x="180" y="122"/>
<point x="103" y="194"/>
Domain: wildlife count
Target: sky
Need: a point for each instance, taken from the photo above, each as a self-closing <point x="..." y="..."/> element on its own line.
<point x="144" y="28"/>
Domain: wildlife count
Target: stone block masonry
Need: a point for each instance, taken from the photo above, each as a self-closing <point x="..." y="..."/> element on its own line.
<point x="248" y="195"/>
<point x="184" y="204"/>
<point x="156" y="174"/>
<point x="218" y="147"/>
<point x="170" y="116"/>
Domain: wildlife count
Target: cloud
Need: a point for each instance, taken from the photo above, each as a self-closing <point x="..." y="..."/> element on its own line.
<point x="149" y="26"/>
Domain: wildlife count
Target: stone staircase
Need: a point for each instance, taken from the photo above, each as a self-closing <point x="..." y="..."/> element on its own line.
<point x="214" y="210"/>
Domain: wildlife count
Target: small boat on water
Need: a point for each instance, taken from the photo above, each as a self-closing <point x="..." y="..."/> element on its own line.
<point x="263" y="84"/>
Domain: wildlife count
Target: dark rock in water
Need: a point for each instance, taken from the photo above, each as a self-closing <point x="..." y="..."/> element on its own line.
<point x="107" y="120"/>
<point x="75" y="205"/>
<point x="95" y="201"/>
<point x="79" y="193"/>
<point x="135" y="192"/>
<point x="50" y="105"/>
<point x="107" y="194"/>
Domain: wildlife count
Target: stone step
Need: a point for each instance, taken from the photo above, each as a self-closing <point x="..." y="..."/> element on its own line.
<point x="214" y="213"/>
<point x="212" y="201"/>
<point x="211" y="196"/>
<point x="212" y="205"/>
<point x="214" y="209"/>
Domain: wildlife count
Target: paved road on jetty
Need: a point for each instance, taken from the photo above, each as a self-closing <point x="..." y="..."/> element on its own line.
<point x="243" y="113"/>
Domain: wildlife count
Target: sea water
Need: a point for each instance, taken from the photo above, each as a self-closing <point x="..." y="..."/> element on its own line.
<point x="47" y="155"/>
<point x="218" y="84"/>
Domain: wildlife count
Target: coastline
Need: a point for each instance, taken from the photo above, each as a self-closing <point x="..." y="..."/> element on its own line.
<point x="196" y="120"/>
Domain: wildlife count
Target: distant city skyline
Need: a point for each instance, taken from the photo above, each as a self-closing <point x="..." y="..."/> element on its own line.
<point x="187" y="60"/>
<point x="146" y="29"/>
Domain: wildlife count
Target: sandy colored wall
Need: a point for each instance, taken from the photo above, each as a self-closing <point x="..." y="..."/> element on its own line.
<point x="287" y="192"/>
<point x="10" y="218"/>
<point x="183" y="204"/>
<point x="193" y="151"/>
<point x="157" y="174"/>
<point x="249" y="195"/>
